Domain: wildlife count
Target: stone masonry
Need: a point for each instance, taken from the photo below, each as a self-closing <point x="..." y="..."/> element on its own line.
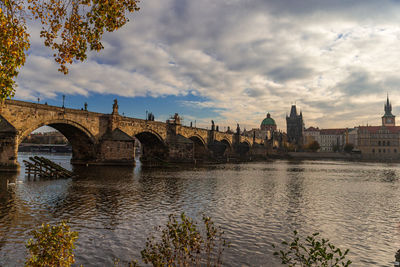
<point x="98" y="138"/>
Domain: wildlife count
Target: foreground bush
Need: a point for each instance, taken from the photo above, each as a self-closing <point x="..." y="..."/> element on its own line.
<point x="182" y="244"/>
<point x="51" y="246"/>
<point x="313" y="252"/>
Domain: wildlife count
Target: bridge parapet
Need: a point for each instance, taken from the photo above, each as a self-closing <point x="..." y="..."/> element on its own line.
<point x="189" y="132"/>
<point x="97" y="138"/>
<point x="219" y="136"/>
<point x="133" y="127"/>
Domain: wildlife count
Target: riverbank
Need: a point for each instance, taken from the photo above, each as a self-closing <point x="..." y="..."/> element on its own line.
<point x="323" y="155"/>
<point x="45" y="148"/>
<point x="332" y="156"/>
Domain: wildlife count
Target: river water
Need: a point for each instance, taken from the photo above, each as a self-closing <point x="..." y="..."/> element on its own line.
<point x="355" y="205"/>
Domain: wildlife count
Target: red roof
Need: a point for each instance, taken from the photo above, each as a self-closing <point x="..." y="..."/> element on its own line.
<point x="312" y="129"/>
<point x="375" y="129"/>
<point x="337" y="131"/>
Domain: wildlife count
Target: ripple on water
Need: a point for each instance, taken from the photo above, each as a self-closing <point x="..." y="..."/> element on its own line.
<point x="114" y="210"/>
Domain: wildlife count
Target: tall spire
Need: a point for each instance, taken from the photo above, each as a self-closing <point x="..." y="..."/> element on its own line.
<point x="293" y="111"/>
<point x="388" y="107"/>
<point x="387" y="99"/>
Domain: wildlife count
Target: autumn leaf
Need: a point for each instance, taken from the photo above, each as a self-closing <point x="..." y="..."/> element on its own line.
<point x="71" y="28"/>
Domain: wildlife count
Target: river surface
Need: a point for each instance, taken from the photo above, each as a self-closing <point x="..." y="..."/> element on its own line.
<point x="355" y="205"/>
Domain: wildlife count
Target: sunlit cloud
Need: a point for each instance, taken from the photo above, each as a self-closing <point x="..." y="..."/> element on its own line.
<point x="335" y="59"/>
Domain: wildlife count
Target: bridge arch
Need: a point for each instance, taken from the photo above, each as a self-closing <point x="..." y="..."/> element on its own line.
<point x="153" y="146"/>
<point x="227" y="144"/>
<point x="76" y="125"/>
<point x="81" y="139"/>
<point x="197" y="138"/>
<point x="243" y="148"/>
<point x="247" y="142"/>
<point x="199" y="146"/>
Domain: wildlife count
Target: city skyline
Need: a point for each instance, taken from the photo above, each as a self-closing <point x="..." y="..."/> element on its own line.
<point x="234" y="61"/>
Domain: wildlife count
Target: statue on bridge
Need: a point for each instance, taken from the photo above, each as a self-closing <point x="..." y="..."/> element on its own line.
<point x="212" y="125"/>
<point x="150" y="116"/>
<point x="238" y="129"/>
<point x="177" y="119"/>
<point x="115" y="107"/>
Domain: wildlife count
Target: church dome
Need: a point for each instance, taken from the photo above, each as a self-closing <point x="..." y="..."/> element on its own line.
<point x="268" y="121"/>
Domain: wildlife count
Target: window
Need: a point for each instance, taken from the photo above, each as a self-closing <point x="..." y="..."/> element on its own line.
<point x="379" y="143"/>
<point x="379" y="151"/>
<point x="388" y="143"/>
<point x="384" y="150"/>
<point x="373" y="150"/>
<point x="395" y="150"/>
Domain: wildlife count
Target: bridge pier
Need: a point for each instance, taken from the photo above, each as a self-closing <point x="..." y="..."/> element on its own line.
<point x="8" y="152"/>
<point x="258" y="152"/>
<point x="218" y="150"/>
<point x="180" y="149"/>
<point x="116" y="148"/>
<point x="108" y="139"/>
<point x="8" y="146"/>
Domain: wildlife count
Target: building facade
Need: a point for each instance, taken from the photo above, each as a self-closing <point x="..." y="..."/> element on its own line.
<point x="353" y="137"/>
<point x="332" y="140"/>
<point x="268" y="132"/>
<point x="295" y="126"/>
<point x="380" y="142"/>
<point x="310" y="135"/>
<point x="268" y="124"/>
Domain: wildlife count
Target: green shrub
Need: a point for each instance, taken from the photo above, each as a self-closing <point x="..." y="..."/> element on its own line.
<point x="51" y="246"/>
<point x="313" y="146"/>
<point x="182" y="244"/>
<point x="312" y="252"/>
<point x="348" y="148"/>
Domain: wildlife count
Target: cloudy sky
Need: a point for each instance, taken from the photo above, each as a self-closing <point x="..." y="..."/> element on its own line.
<point x="234" y="61"/>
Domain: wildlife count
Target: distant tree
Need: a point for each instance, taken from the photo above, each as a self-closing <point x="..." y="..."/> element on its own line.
<point x="348" y="148"/>
<point x="71" y="28"/>
<point x="335" y="148"/>
<point x="291" y="147"/>
<point x="313" y="146"/>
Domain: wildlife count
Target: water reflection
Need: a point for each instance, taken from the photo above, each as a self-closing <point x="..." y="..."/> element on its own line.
<point x="7" y="204"/>
<point x="294" y="193"/>
<point x="389" y="176"/>
<point x="116" y="209"/>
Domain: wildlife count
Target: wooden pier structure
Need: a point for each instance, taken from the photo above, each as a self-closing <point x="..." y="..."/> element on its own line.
<point x="45" y="168"/>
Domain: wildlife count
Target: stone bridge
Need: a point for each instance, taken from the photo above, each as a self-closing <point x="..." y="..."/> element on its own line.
<point x="98" y="138"/>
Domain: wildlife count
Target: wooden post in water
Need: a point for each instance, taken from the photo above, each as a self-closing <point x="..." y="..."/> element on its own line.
<point x="45" y="168"/>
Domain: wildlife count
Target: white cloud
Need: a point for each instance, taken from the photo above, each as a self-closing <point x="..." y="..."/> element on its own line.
<point x="335" y="59"/>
